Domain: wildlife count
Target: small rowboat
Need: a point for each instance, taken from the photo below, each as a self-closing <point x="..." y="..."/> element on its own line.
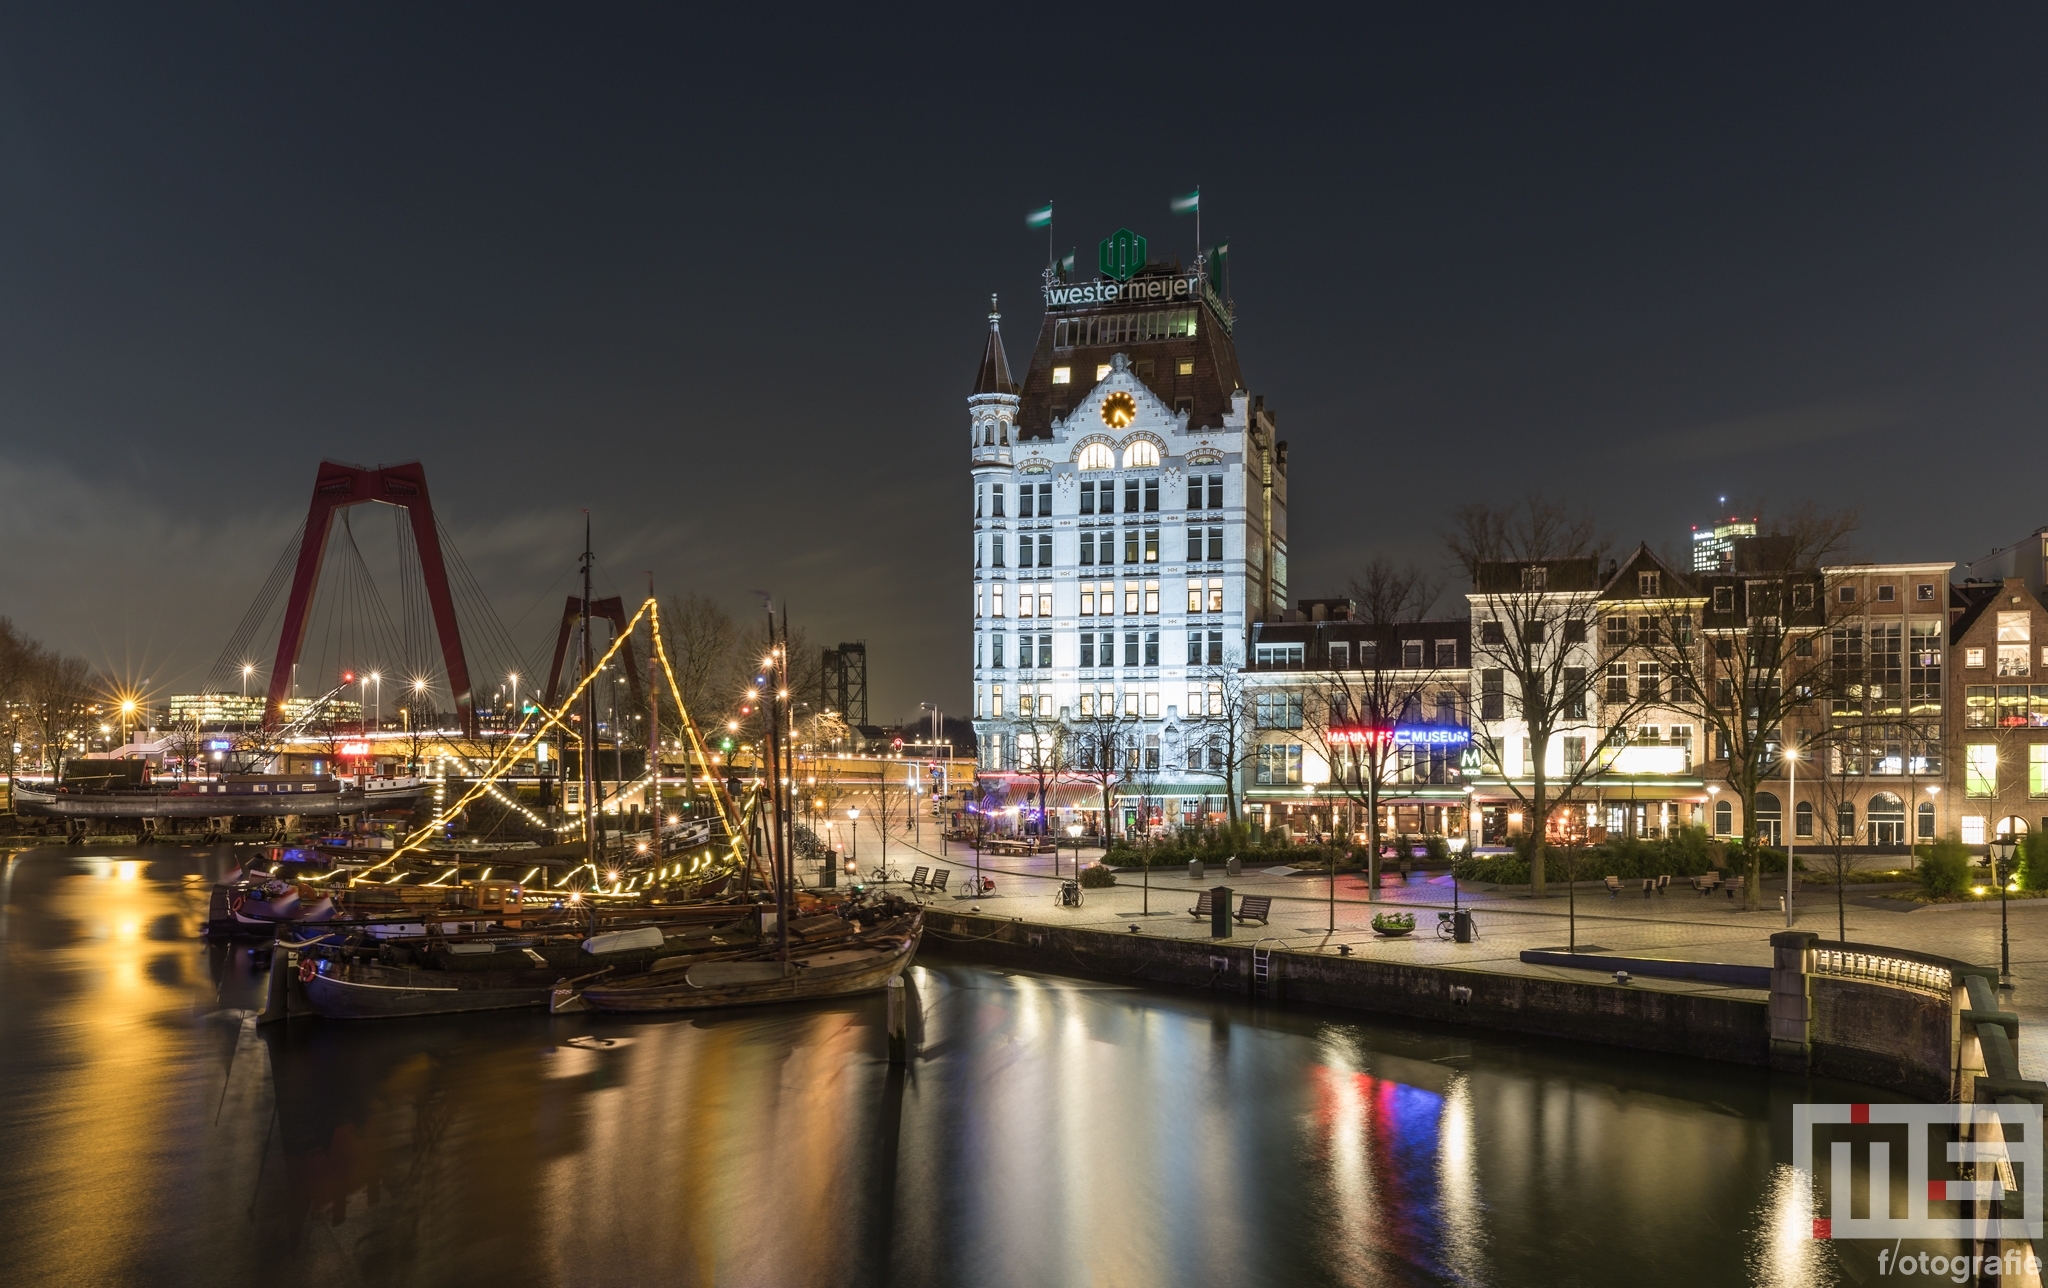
<point x="844" y="967"/>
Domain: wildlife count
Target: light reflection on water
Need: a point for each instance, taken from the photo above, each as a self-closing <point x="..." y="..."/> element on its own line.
<point x="1052" y="1132"/>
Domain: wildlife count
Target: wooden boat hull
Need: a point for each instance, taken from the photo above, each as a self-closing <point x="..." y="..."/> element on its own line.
<point x="383" y="992"/>
<point x="672" y="990"/>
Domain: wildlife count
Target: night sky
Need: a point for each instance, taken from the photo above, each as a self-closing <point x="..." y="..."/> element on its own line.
<point x="721" y="279"/>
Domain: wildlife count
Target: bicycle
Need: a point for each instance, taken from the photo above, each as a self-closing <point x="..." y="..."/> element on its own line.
<point x="1447" y="925"/>
<point x="883" y="874"/>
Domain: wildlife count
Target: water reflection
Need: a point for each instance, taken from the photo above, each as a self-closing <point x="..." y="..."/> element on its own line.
<point x="1052" y="1132"/>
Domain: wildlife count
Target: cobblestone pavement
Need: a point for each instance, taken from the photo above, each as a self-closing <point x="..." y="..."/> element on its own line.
<point x="1678" y="923"/>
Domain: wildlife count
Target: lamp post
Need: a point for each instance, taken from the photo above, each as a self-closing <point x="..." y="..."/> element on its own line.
<point x="247" y="671"/>
<point x="2002" y="848"/>
<point x="1073" y="831"/>
<point x="127" y="718"/>
<point x="1792" y="832"/>
<point x="1458" y="923"/>
<point x="853" y="826"/>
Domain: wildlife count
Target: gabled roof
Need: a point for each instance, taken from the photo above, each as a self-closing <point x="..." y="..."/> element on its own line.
<point x="1982" y="596"/>
<point x="1623" y="583"/>
<point x="994" y="377"/>
<point x="1576" y="575"/>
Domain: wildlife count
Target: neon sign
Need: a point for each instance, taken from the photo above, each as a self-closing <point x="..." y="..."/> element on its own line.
<point x="355" y="749"/>
<point x="1432" y="736"/>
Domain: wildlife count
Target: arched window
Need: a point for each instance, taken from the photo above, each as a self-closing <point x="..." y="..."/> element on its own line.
<point x="1845" y="821"/>
<point x="1724" y="818"/>
<point x="1770" y="819"/>
<point x="1926" y="819"/>
<point x="1141" y="455"/>
<point x="1802" y="820"/>
<point x="1096" y="456"/>
<point x="1887" y="820"/>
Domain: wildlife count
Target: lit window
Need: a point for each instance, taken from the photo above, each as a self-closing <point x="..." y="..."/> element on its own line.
<point x="1024" y="604"/>
<point x="1087" y="704"/>
<point x="977" y="601"/>
<point x="1186" y="367"/>
<point x="1131" y="598"/>
<point x="1973" y="829"/>
<point x="1102" y="371"/>
<point x="1045" y="606"/>
<point x="1151" y="545"/>
<point x="1095" y="456"/>
<point x="996" y="702"/>
<point x="1087" y="601"/>
<point x="1142" y="455"/>
<point x="1973" y="657"/>
<point x="1216" y="594"/>
<point x="1063" y="375"/>
<point x="1924" y="591"/>
<point x="2037" y="769"/>
<point x="2012" y="627"/>
<point x="1105" y="599"/>
<point x="1194" y="594"/>
<point x="995" y="601"/>
<point x="1152" y="599"/>
<point x="1980" y="769"/>
<point x="1151" y="713"/>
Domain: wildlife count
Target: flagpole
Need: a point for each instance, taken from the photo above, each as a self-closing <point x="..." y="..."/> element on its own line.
<point x="1049" y="258"/>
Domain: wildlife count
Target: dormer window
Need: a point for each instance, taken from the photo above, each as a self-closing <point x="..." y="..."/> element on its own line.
<point x="1649" y="584"/>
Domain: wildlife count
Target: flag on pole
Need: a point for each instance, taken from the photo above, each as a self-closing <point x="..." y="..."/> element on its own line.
<point x="1187" y="203"/>
<point x="1067" y="263"/>
<point x="1039" y="218"/>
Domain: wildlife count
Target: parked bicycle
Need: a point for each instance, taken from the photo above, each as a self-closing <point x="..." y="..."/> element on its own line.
<point x="1447" y="925"/>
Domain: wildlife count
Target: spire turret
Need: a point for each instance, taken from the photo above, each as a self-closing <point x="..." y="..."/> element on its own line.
<point x="995" y="367"/>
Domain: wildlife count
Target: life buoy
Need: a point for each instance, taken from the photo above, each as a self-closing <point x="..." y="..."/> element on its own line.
<point x="235" y="904"/>
<point x="308" y="968"/>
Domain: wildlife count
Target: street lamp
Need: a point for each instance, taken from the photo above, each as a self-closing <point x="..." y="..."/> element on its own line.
<point x="2003" y="847"/>
<point x="127" y="718"/>
<point x="1792" y="792"/>
<point x="853" y="824"/>
<point x="1460" y="920"/>
<point x="1074" y="831"/>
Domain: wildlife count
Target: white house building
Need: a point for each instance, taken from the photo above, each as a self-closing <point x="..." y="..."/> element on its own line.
<point x="1129" y="523"/>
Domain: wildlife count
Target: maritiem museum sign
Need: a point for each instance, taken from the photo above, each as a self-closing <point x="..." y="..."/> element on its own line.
<point x="1120" y="256"/>
<point x="1969" y="1171"/>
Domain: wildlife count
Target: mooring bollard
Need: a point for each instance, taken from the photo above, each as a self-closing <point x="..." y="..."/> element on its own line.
<point x="1219" y="912"/>
<point x="899" y="1023"/>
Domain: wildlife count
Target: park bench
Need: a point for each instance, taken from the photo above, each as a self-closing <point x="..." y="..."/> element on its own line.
<point x="1613" y="886"/>
<point x="1707" y="884"/>
<point x="1254" y="907"/>
<point x="917" y="878"/>
<point x="1204" y="906"/>
<point x="937" y="883"/>
<point x="1664" y="883"/>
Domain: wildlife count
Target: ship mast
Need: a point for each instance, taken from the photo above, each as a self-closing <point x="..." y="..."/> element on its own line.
<point x="590" y="815"/>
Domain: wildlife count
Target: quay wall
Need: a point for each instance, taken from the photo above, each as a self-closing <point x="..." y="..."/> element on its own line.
<point x="1593" y="1010"/>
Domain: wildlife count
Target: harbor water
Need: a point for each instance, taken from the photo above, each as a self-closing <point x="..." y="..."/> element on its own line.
<point x="1048" y="1132"/>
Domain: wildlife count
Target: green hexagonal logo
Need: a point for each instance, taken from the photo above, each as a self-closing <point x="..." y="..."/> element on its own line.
<point x="1121" y="255"/>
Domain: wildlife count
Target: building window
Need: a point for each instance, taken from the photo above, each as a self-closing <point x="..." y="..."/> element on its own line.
<point x="1130" y="496"/>
<point x="1724" y="818"/>
<point x="1215" y="648"/>
<point x="1194" y="594"/>
<point x="1025" y="494"/>
<point x="1151" y="485"/>
<point x="1411" y="655"/>
<point x="1130" y="648"/>
<point x="1045" y="549"/>
<point x="1924" y="592"/>
<point x="1980" y="769"/>
<point x="1536" y="579"/>
<point x="1194" y="550"/>
<point x="1492" y="632"/>
<point x="1025" y="546"/>
<point x="1575" y="693"/>
<point x="996" y="601"/>
<point x="1215" y="594"/>
<point x="1617" y="631"/>
<point x="1194" y="654"/>
<point x="1151" y="648"/>
<point x="1493" y="694"/>
<point x="2012" y="659"/>
<point x="1151" y="597"/>
<point x="1973" y="657"/>
<point x="1973" y="829"/>
<point x="1063" y="375"/>
<point x="997" y="495"/>
<point x="1846" y="594"/>
<point x="1574" y="752"/>
<point x="1446" y="654"/>
<point x="1105" y="599"/>
<point x="1185" y="367"/>
<point x="2037" y="769"/>
<point x="1617" y="682"/>
<point x="996" y="693"/>
<point x="1279" y="656"/>
<point x="1130" y="599"/>
<point x="1649" y="584"/>
<point x="1151" y="545"/>
<point x="1277" y="764"/>
<point x="1924" y="815"/>
<point x="1024" y="602"/>
<point x="1130" y="545"/>
<point x="1131" y="702"/>
<point x="1088" y="497"/>
<point x="1087" y="648"/>
<point x="1096" y="456"/>
<point x="1802" y="820"/>
<point x="1087" y="547"/>
<point x="998" y="549"/>
<point x="1087" y="600"/>
<point x="1724" y="602"/>
<point x="1649" y="680"/>
<point x="1215" y="491"/>
<point x="1340" y="656"/>
<point x="1102" y="370"/>
<point x="1044" y="650"/>
<point x="1886" y="594"/>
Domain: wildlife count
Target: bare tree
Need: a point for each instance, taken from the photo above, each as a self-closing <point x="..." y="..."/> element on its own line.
<point x="701" y="639"/>
<point x="1352" y="721"/>
<point x="1535" y="573"/>
<point x="1101" y="750"/>
<point x="1760" y="658"/>
<point x="57" y="692"/>
<point x="1226" y="730"/>
<point x="1043" y="756"/>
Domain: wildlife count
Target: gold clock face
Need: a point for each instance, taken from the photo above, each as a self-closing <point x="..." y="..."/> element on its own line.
<point x="1119" y="410"/>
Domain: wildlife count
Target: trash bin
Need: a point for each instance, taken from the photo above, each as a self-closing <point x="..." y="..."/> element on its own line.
<point x="1235" y="866"/>
<point x="1461" y="926"/>
<point x="1194" y="869"/>
<point x="1219" y="912"/>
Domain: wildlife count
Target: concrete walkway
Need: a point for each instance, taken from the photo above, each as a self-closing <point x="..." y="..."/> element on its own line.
<point x="1678" y="924"/>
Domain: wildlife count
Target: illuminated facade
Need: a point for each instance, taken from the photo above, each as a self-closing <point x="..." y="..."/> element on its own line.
<point x="1129" y="524"/>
